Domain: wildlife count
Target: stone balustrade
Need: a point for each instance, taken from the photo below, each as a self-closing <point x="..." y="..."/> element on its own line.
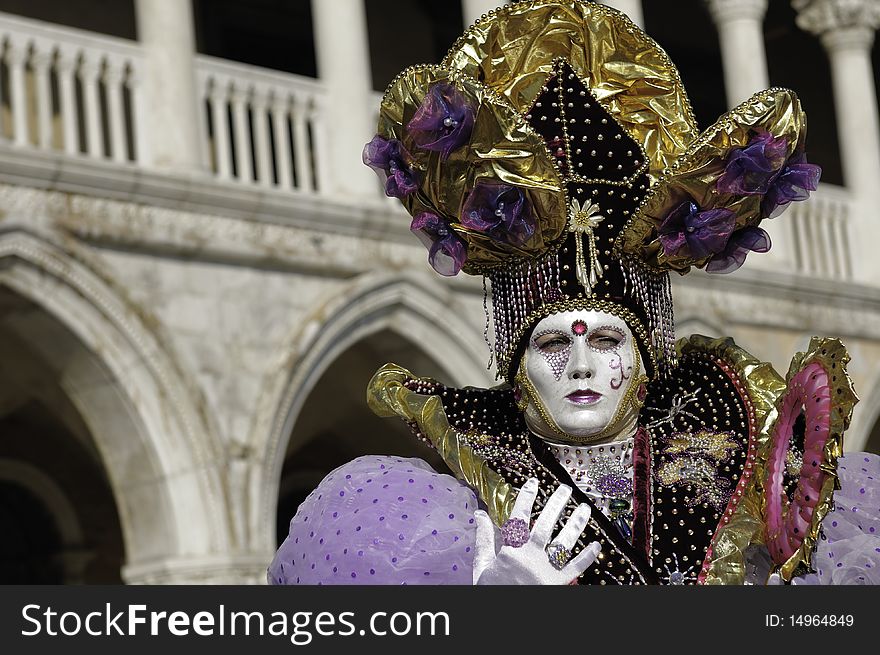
<point x="71" y="91"/>
<point x="819" y="231"/>
<point x="262" y="127"/>
<point x="76" y="94"/>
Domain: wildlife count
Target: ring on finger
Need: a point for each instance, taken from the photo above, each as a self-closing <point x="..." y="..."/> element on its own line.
<point x="558" y="555"/>
<point x="514" y="532"/>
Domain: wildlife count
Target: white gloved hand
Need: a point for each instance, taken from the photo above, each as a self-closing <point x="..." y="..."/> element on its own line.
<point x="529" y="564"/>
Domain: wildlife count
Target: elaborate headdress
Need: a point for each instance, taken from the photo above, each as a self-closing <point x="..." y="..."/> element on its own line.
<point x="555" y="152"/>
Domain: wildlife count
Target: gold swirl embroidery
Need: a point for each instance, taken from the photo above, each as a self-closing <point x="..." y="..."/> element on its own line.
<point x="700" y="474"/>
<point x="717" y="445"/>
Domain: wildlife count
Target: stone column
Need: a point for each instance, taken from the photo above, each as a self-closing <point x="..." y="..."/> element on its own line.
<point x="41" y="62"/>
<point x="741" y="37"/>
<point x="222" y="152"/>
<point x="260" y="104"/>
<point x="632" y="8"/>
<point x="167" y="36"/>
<point x="16" y="57"/>
<point x="343" y="57"/>
<point x="471" y="10"/>
<point x="280" y="106"/>
<point x="241" y="140"/>
<point x="846" y="29"/>
<point x="65" y="68"/>
<point x="113" y="76"/>
<point x="89" y="70"/>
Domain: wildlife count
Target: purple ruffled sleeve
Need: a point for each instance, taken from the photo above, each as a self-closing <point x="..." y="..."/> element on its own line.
<point x="380" y="520"/>
<point x="849" y="550"/>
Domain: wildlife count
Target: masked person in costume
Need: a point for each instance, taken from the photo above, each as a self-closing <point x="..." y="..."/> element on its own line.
<point x="555" y="153"/>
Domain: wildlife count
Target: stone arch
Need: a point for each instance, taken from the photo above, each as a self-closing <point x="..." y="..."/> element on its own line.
<point x="73" y="556"/>
<point x="403" y="303"/>
<point x="152" y="440"/>
<point x="49" y="493"/>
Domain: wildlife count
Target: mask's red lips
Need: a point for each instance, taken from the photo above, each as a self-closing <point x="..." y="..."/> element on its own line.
<point x="584" y="397"/>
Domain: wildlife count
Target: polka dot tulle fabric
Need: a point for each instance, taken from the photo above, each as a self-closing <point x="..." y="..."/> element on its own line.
<point x="380" y="520"/>
<point x="849" y="549"/>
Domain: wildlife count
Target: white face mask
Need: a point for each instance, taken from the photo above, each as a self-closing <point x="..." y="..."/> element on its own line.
<point x="581" y="366"/>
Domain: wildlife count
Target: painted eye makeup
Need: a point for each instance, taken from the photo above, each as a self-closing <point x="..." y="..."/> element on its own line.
<point x="555" y="348"/>
<point x="551" y="342"/>
<point x="606" y="338"/>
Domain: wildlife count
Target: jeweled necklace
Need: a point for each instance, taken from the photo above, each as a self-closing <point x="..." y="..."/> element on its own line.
<point x="605" y="474"/>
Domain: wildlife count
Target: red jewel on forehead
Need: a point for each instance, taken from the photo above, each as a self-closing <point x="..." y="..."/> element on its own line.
<point x="579" y="328"/>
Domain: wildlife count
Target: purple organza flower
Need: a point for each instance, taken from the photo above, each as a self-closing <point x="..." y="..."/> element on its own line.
<point x="447" y="252"/>
<point x="750" y="171"/>
<point x="500" y="211"/>
<point x="390" y="161"/>
<point x="740" y="244"/>
<point x="761" y="168"/>
<point x="698" y="232"/>
<point x="444" y="120"/>
<point x="794" y="183"/>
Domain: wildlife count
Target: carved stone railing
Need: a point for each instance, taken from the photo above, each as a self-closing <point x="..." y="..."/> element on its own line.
<point x="76" y="93"/>
<point x="262" y="127"/>
<point x="70" y="90"/>
<point x="820" y="233"/>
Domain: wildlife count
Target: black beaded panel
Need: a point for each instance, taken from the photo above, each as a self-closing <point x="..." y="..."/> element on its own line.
<point x="585" y="141"/>
<point x="490" y="423"/>
<point x="699" y="426"/>
<point x="597" y="159"/>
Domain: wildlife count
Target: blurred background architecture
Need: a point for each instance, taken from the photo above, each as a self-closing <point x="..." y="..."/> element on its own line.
<point x="198" y="276"/>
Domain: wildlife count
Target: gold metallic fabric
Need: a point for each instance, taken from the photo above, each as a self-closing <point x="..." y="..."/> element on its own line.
<point x="503" y="62"/>
<point x="696" y="173"/>
<point x="502" y="147"/>
<point x="513" y="50"/>
<point x="763" y="386"/>
<point x="387" y="396"/>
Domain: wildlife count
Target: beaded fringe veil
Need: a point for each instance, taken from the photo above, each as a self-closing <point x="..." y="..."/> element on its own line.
<point x="524" y="294"/>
